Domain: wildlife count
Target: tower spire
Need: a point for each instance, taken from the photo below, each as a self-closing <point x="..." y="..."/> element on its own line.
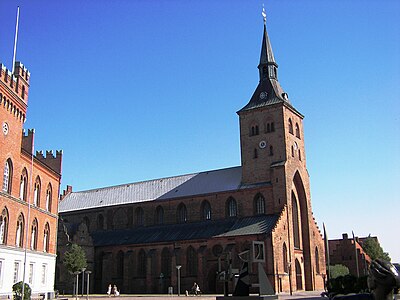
<point x="268" y="68"/>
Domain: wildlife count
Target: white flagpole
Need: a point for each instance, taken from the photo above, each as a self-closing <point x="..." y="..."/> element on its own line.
<point x="15" y="41"/>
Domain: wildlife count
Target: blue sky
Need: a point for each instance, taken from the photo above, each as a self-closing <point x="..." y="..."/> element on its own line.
<point x="135" y="90"/>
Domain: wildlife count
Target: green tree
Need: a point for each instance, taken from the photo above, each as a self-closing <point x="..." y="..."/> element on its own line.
<point x="339" y="270"/>
<point x="75" y="259"/>
<point x="374" y="249"/>
<point x="17" y="290"/>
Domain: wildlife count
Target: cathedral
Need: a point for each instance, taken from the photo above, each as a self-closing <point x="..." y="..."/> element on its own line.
<point x="148" y="236"/>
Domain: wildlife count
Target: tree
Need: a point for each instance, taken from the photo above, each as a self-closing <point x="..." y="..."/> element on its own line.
<point x="339" y="270"/>
<point x="17" y="289"/>
<point x="374" y="250"/>
<point x="75" y="259"/>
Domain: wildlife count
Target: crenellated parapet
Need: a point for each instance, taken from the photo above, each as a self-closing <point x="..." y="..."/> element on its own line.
<point x="51" y="160"/>
<point x="28" y="140"/>
<point x="17" y="82"/>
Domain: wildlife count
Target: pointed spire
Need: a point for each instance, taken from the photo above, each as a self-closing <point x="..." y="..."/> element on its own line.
<point x="268" y="67"/>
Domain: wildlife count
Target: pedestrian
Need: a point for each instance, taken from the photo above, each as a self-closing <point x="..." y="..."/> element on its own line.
<point x="109" y="290"/>
<point x="115" y="291"/>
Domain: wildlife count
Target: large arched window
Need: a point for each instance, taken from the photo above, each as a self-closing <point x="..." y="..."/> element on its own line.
<point x="296" y="224"/>
<point x="49" y="195"/>
<point x="297" y="130"/>
<point x="259" y="204"/>
<point x="3" y="226"/>
<point x="36" y="192"/>
<point x="120" y="264"/>
<point x="100" y="222"/>
<point x="166" y="262"/>
<point x="19" y="235"/>
<point x="231" y="207"/>
<point x="23" y="186"/>
<point x="46" y="238"/>
<point x="206" y="210"/>
<point x="7" y="176"/>
<point x="290" y="126"/>
<point x="159" y="215"/>
<point x="285" y="259"/>
<point x="139" y="216"/>
<point x="191" y="266"/>
<point x="182" y="213"/>
<point x="141" y="263"/>
<point x="317" y="260"/>
<point x="34" y="234"/>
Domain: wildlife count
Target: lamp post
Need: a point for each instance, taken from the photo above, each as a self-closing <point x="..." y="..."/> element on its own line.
<point x="83" y="280"/>
<point x="290" y="277"/>
<point x="77" y="284"/>
<point x="87" y="284"/>
<point x="178" y="267"/>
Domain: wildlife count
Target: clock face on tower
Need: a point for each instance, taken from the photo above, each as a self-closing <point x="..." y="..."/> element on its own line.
<point x="263" y="95"/>
<point x="5" y="128"/>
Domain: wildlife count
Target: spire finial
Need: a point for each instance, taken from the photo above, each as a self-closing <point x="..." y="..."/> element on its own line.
<point x="264" y="15"/>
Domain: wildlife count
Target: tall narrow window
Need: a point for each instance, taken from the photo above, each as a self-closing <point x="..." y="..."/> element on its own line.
<point x="23" y="186"/>
<point x="285" y="259"/>
<point x="19" y="236"/>
<point x="30" y="278"/>
<point x="36" y="192"/>
<point x="272" y="127"/>
<point x="290" y="126"/>
<point x="7" y="176"/>
<point x="297" y="130"/>
<point x="3" y="226"/>
<point x="271" y="150"/>
<point x="231" y="207"/>
<point x="255" y="155"/>
<point x="46" y="237"/>
<point x="191" y="257"/>
<point x="317" y="260"/>
<point x="299" y="155"/>
<point x="259" y="204"/>
<point x="292" y="151"/>
<point x="139" y="216"/>
<point x="206" y="210"/>
<point x="296" y="225"/>
<point x="44" y="275"/>
<point x="120" y="264"/>
<point x="182" y="213"/>
<point x="159" y="215"/>
<point x="49" y="198"/>
<point x="34" y="234"/>
<point x="16" y="271"/>
<point x="268" y="127"/>
<point x="141" y="263"/>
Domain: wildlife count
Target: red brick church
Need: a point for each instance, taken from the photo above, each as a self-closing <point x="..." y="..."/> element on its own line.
<point x="136" y="234"/>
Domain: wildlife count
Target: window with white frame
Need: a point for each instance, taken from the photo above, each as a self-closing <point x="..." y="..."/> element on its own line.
<point x="44" y="269"/>
<point x="1" y="272"/>
<point x="16" y="271"/>
<point x="30" y="279"/>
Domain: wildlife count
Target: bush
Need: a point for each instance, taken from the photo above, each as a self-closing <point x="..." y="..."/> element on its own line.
<point x="17" y="291"/>
<point x="347" y="284"/>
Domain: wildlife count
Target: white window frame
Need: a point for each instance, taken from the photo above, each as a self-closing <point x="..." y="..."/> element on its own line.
<point x="31" y="273"/>
<point x="44" y="274"/>
<point x="2" y="267"/>
<point x="17" y="265"/>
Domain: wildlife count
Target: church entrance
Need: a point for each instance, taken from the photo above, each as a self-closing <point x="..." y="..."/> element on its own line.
<point x="299" y="277"/>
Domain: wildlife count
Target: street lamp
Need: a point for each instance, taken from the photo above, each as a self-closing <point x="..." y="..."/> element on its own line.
<point x="87" y="289"/>
<point x="83" y="280"/>
<point x="178" y="267"/>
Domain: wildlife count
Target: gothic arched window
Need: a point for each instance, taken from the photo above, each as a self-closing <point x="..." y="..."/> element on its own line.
<point x="23" y="186"/>
<point x="297" y="130"/>
<point x="191" y="266"/>
<point x="290" y="126"/>
<point x="7" y="176"/>
<point x="46" y="237"/>
<point x="120" y="264"/>
<point x="259" y="204"/>
<point x="141" y="263"/>
<point x="231" y="207"/>
<point x="36" y="192"/>
<point x="49" y="195"/>
<point x="285" y="259"/>
<point x="317" y="260"/>
<point x="166" y="262"/>
<point x="271" y="150"/>
<point x="34" y="234"/>
<point x="19" y="235"/>
<point x="296" y="224"/>
<point x="206" y="210"/>
<point x="3" y="226"/>
<point x="182" y="213"/>
<point x="159" y="215"/>
<point x="139" y="216"/>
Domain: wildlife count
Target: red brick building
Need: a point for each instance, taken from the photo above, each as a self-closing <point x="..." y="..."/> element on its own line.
<point x="349" y="252"/>
<point x="28" y="194"/>
<point x="136" y="234"/>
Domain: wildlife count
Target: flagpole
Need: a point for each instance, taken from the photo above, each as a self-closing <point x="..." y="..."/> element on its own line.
<point x="15" y="41"/>
<point x="355" y="250"/>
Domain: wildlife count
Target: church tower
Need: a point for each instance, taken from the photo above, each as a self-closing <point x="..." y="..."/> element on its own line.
<point x="273" y="153"/>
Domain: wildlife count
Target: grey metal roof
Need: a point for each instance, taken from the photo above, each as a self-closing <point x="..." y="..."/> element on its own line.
<point x="189" y="231"/>
<point x="158" y="189"/>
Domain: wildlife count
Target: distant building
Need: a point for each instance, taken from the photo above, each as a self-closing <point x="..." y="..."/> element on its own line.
<point x="28" y="194"/>
<point x="349" y="252"/>
<point x="135" y="235"/>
